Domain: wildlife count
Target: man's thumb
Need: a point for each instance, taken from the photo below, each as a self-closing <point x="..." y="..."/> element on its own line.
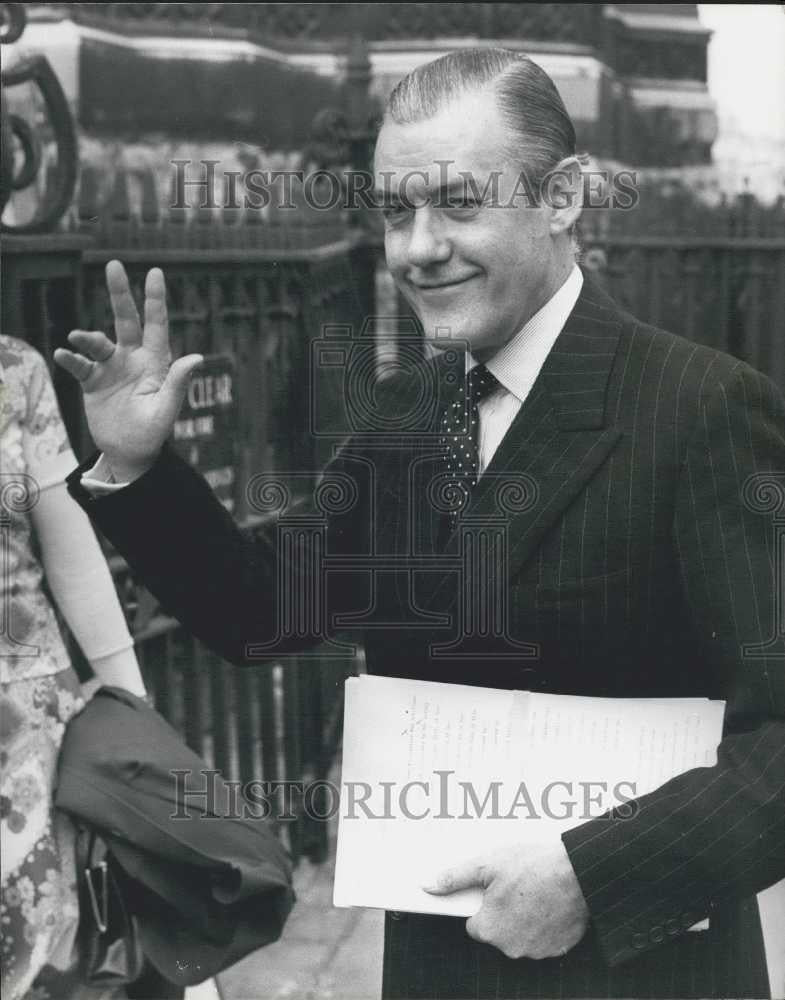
<point x="462" y="876"/>
<point x="176" y="382"/>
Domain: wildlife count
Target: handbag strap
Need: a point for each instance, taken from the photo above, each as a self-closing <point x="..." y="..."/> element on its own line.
<point x="99" y="897"/>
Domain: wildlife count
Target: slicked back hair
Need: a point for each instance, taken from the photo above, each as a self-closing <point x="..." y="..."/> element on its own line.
<point x="541" y="131"/>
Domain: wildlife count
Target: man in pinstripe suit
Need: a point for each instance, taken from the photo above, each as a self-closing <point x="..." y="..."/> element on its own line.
<point x="643" y="565"/>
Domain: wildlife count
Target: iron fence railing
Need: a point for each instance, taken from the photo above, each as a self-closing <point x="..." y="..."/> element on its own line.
<point x="272" y="722"/>
<point x="275" y="722"/>
<point x="264" y="307"/>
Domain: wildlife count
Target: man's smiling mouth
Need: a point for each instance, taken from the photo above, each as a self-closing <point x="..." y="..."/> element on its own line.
<point x="431" y="286"/>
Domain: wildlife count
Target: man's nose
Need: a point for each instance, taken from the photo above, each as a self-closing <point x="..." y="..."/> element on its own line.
<point x="428" y="242"/>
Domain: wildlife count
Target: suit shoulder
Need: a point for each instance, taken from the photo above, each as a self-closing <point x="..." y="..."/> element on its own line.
<point x="665" y="385"/>
<point x="678" y="365"/>
<point x="703" y="361"/>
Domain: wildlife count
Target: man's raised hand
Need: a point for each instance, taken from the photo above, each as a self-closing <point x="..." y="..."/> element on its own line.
<point x="132" y="389"/>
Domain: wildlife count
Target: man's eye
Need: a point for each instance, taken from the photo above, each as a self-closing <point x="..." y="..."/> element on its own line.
<point x="460" y="203"/>
<point x="395" y="211"/>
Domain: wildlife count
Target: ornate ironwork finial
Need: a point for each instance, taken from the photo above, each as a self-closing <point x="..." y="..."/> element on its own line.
<point x="37" y="70"/>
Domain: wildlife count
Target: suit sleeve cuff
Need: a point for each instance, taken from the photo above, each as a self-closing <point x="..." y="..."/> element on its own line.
<point x="99" y="480"/>
<point x="629" y="915"/>
<point x="91" y="482"/>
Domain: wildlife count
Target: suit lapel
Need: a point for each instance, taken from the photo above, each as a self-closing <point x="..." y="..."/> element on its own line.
<point x="557" y="441"/>
<point x="408" y="520"/>
<point x="421" y="468"/>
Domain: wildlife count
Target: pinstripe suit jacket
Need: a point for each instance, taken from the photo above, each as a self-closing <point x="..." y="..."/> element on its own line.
<point x="637" y="559"/>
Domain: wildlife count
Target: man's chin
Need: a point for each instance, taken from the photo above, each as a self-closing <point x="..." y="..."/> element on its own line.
<point x="444" y="328"/>
<point x="442" y="336"/>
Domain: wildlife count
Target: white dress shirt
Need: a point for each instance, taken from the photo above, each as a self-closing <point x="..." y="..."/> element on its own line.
<point x="517" y="365"/>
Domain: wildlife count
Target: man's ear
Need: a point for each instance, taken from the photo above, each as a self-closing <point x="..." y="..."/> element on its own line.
<point x="562" y="194"/>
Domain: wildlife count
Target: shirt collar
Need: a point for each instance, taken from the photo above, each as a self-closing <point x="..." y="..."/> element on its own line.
<point x="518" y="363"/>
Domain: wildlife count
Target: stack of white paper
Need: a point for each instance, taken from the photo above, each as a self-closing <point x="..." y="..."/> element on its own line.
<point x="434" y="774"/>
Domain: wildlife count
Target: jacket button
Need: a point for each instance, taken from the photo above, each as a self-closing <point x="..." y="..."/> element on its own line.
<point x="656" y="934"/>
<point x="672" y="925"/>
<point x="639" y="941"/>
<point x="395" y="915"/>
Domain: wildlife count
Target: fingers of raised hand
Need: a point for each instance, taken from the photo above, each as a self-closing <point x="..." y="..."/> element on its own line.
<point x="77" y="365"/>
<point x="126" y="318"/>
<point x="95" y="344"/>
<point x="156" y="335"/>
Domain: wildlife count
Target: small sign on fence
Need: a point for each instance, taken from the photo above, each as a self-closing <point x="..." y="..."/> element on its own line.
<point x="206" y="431"/>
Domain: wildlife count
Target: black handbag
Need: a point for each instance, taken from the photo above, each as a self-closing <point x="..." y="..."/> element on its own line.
<point x="108" y="933"/>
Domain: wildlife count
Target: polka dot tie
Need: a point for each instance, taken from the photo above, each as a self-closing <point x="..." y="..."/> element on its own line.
<point x="461" y="432"/>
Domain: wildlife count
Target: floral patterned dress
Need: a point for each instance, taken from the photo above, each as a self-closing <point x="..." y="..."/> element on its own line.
<point x="39" y="692"/>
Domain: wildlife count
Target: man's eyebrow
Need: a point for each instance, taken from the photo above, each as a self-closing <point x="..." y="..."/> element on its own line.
<point x="458" y="186"/>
